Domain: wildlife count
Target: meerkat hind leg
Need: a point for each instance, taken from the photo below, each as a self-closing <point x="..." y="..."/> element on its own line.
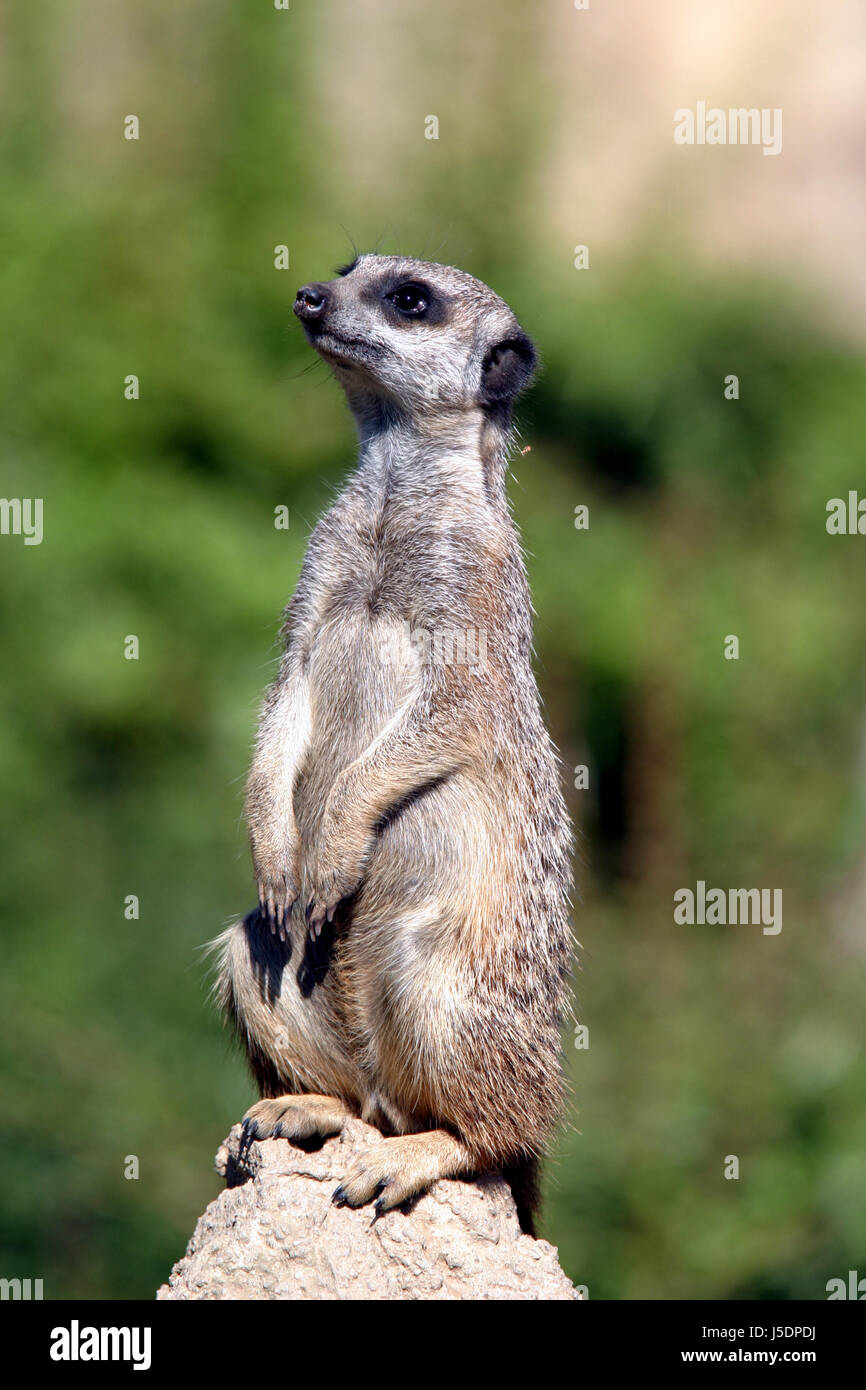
<point x="399" y="1168"/>
<point x="295" y="1117"/>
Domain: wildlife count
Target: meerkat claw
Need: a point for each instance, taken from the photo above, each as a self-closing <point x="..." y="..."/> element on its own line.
<point x="248" y="1128"/>
<point x="315" y="916"/>
<point x="276" y="900"/>
<point x="383" y="1205"/>
<point x="342" y="1198"/>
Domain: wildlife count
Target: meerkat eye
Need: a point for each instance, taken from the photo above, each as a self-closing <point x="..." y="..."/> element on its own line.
<point x="410" y="299"/>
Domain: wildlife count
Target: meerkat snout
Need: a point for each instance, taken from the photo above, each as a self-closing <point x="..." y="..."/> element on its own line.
<point x="310" y="302"/>
<point x="417" y="334"/>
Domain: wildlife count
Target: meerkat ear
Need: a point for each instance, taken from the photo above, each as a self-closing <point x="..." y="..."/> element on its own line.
<point x="507" y="369"/>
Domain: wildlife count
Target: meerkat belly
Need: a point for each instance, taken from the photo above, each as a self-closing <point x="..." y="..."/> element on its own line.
<point x="361" y="672"/>
<point x="432" y="886"/>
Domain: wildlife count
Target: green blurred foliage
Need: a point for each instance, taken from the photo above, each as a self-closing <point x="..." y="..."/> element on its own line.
<point x="707" y="518"/>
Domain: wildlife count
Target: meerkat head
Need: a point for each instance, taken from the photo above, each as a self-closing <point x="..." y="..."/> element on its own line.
<point x="419" y="337"/>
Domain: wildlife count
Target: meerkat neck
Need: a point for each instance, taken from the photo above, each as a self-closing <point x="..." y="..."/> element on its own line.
<point x="463" y="451"/>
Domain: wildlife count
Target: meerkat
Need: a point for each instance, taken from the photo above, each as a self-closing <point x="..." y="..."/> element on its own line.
<point x="409" y="957"/>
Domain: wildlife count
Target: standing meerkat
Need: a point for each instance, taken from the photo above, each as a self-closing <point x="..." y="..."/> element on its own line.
<point x="409" y="957"/>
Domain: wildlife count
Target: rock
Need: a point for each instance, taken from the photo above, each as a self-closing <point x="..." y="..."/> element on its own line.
<point x="274" y="1233"/>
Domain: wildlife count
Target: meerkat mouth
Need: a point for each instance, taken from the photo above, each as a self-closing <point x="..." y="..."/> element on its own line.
<point x="347" y="351"/>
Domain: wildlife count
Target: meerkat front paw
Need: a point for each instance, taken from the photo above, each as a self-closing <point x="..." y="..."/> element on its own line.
<point x="293" y="1117"/>
<point x="277" y="895"/>
<point x="326" y="897"/>
<point x="330" y="886"/>
<point x="278" y="882"/>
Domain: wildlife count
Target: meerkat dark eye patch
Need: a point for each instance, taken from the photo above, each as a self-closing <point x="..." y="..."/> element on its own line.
<point x="409" y="301"/>
<point x="507" y="368"/>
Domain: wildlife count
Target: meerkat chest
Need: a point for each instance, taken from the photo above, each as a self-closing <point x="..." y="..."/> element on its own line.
<point x="388" y="567"/>
<point x="361" y="664"/>
<point x="391" y="581"/>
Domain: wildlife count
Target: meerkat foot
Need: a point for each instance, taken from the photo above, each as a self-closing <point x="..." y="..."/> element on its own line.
<point x="396" y="1169"/>
<point x="294" y="1117"/>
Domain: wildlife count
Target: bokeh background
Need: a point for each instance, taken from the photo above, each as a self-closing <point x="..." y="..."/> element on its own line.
<point x="707" y="517"/>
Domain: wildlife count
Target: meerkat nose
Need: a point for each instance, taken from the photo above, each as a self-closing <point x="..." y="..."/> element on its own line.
<point x="310" y="302"/>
